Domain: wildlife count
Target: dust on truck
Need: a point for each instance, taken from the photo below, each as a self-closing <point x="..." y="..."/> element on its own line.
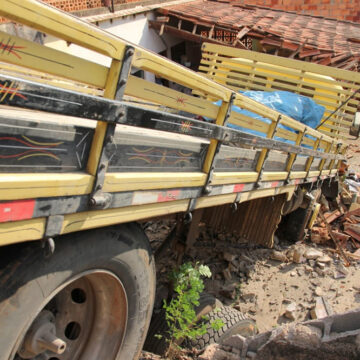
<point x="88" y="151"/>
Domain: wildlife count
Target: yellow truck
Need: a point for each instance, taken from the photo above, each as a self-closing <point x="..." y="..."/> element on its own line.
<point x="87" y="152"/>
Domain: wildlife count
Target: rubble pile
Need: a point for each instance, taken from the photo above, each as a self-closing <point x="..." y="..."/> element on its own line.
<point x="286" y="288"/>
<point x="339" y="221"/>
<point x="333" y="338"/>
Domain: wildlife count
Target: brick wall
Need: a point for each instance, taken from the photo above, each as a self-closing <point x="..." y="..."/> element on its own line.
<point x="339" y="9"/>
<point x="75" y="5"/>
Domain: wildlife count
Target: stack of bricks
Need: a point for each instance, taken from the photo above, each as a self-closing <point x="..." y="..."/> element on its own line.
<point x="75" y="5"/>
<point x="338" y="9"/>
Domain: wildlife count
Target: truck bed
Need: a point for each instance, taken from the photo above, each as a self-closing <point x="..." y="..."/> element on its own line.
<point x="75" y="155"/>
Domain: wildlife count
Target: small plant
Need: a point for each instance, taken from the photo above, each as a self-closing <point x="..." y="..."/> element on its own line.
<point x="180" y="311"/>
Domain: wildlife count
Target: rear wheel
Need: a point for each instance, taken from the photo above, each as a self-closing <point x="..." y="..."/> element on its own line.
<point x="91" y="300"/>
<point x="234" y="323"/>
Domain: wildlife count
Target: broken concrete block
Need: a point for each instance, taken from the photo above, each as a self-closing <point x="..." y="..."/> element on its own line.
<point x="324" y="259"/>
<point x="290" y="311"/>
<point x="298" y="257"/>
<point x="214" y="352"/>
<point x="319" y="291"/>
<point x="312" y="254"/>
<point x="235" y="341"/>
<point x="321" y="309"/>
<point x="278" y="256"/>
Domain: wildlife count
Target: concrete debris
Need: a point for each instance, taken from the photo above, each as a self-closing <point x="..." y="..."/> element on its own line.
<point x="290" y="311"/>
<point x="340" y="220"/>
<point x="298" y="285"/>
<point x="235" y="341"/>
<point x="298" y="255"/>
<point x="312" y="254"/>
<point x="278" y="256"/>
<point x="332" y="337"/>
<point x="321" y="309"/>
<point x="215" y="352"/>
<point x="324" y="259"/>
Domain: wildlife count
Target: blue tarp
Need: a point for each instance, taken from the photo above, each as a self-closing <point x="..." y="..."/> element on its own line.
<point x="298" y="107"/>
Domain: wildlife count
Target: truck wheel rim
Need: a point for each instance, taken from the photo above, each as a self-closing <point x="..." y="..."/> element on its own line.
<point x="88" y="314"/>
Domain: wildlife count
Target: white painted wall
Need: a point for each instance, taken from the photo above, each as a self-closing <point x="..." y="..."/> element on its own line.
<point x="134" y="29"/>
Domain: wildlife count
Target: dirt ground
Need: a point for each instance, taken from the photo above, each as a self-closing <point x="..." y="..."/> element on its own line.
<point x="273" y="286"/>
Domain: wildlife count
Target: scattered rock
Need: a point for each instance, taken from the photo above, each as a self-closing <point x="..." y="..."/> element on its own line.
<point x="251" y="355"/>
<point x="227" y="274"/>
<point x="312" y="254"/>
<point x="320" y="272"/>
<point x="214" y="352"/>
<point x="324" y="259"/>
<point x="290" y="311"/>
<point x="278" y="256"/>
<point x="321" y="309"/>
<point x="339" y="275"/>
<point x="249" y="297"/>
<point x="229" y="291"/>
<point x="298" y="257"/>
<point x="300" y="272"/>
<point x="319" y="291"/>
<point x="340" y="267"/>
<point x="292" y="273"/>
<point x="229" y="257"/>
<point x="235" y="341"/>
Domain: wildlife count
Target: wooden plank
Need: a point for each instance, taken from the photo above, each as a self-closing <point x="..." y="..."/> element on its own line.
<point x="94" y="219"/>
<point x="335" y="135"/>
<point x="243" y="66"/>
<point x="12" y="232"/>
<point x="268" y="86"/>
<point x="49" y="20"/>
<point x="222" y="178"/>
<point x="162" y="95"/>
<point x="180" y="74"/>
<point x="255" y="194"/>
<point x="152" y="180"/>
<point x="281" y="61"/>
<point x="213" y="147"/>
<point x="209" y="201"/>
<point x="101" y="127"/>
<point x="31" y="75"/>
<point x="16" y="186"/>
<point x="42" y="58"/>
<point x="297" y="175"/>
<point x="248" y="122"/>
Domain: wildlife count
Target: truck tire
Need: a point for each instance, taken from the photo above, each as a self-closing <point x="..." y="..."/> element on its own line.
<point x="91" y="300"/>
<point x="158" y="326"/>
<point x="235" y="323"/>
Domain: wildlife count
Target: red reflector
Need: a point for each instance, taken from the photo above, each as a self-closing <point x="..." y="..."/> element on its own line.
<point x="17" y="210"/>
<point x="239" y="187"/>
<point x="170" y="195"/>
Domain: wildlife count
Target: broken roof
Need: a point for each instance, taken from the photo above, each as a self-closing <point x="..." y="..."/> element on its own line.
<point x="314" y="38"/>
